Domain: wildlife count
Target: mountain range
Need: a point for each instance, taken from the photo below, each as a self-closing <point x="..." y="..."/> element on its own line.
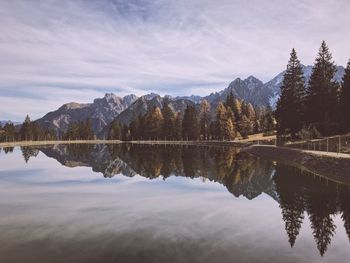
<point x="104" y="110"/>
<point x="4" y="122"/>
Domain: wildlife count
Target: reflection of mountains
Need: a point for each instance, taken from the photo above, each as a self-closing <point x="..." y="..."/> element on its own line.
<point x="298" y="194"/>
<point x="239" y="172"/>
<point x="98" y="157"/>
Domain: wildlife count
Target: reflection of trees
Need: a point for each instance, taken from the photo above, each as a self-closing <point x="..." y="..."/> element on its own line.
<point x="240" y="173"/>
<point x="322" y="200"/>
<point x="79" y="150"/>
<point x="320" y="206"/>
<point x="292" y="203"/>
<point x="8" y="150"/>
<point x="28" y="152"/>
<point x="345" y="207"/>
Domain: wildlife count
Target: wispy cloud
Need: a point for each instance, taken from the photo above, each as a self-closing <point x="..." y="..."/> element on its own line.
<point x="77" y="50"/>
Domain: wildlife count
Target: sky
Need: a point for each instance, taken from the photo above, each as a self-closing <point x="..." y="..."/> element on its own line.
<point x="58" y="51"/>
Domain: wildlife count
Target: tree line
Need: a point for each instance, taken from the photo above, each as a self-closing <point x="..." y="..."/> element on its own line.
<point x="32" y="131"/>
<point x="319" y="108"/>
<point x="28" y="131"/>
<point x="231" y="119"/>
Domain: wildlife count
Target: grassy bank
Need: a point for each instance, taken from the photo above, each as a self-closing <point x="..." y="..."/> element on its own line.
<point x="335" y="168"/>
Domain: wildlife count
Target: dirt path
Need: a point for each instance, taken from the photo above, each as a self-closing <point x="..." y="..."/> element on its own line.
<point x="318" y="153"/>
<point x="330" y="154"/>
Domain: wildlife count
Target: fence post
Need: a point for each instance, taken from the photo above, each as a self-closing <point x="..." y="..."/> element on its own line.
<point x="339" y="144"/>
<point x="327" y="144"/>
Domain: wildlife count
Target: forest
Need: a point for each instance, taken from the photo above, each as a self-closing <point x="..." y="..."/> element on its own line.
<point x="320" y="107"/>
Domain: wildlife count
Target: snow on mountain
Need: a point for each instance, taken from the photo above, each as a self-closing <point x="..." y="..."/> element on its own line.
<point x="275" y="84"/>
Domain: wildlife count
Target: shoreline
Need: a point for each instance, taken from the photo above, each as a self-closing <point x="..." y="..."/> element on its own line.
<point x="332" y="166"/>
<point x="35" y="143"/>
<point x="209" y="143"/>
<point x="328" y="166"/>
<point x="237" y="143"/>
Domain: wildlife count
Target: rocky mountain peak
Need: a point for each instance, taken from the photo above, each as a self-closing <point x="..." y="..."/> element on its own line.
<point x="110" y="97"/>
<point x="252" y="79"/>
<point x="74" y="105"/>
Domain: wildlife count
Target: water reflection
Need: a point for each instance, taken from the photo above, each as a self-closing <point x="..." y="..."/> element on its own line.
<point x="7" y="149"/>
<point x="321" y="200"/>
<point x="298" y="193"/>
<point x="239" y="172"/>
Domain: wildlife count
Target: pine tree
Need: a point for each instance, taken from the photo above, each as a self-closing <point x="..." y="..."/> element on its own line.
<point x="153" y="124"/>
<point x="86" y="132"/>
<point x="322" y="94"/>
<point x="115" y="131"/>
<point x="126" y="133"/>
<point x="190" y="129"/>
<point x="345" y="100"/>
<point x="135" y="128"/>
<point x="26" y="129"/>
<point x="290" y="106"/>
<point x="268" y="121"/>
<point x="9" y="132"/>
<point x="168" y="123"/>
<point x="81" y="130"/>
<point x="205" y="118"/>
<point x="178" y="126"/>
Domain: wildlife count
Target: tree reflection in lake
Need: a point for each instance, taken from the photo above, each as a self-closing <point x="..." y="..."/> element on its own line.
<point x="321" y="199"/>
<point x="298" y="193"/>
<point x="8" y="149"/>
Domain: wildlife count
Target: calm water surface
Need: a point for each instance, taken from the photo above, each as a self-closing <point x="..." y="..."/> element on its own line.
<point x="137" y="203"/>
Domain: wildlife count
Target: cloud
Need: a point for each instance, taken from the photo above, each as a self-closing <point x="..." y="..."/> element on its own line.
<point x="58" y="47"/>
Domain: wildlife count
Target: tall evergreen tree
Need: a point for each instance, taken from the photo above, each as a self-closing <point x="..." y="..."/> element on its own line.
<point x="168" y="122"/>
<point x="153" y="124"/>
<point x="9" y="132"/>
<point x="126" y="133"/>
<point x="267" y="121"/>
<point x="290" y="106"/>
<point x="178" y="126"/>
<point x="81" y="130"/>
<point x="26" y="131"/>
<point x="190" y="129"/>
<point x="135" y="128"/>
<point x="205" y="118"/>
<point x="345" y="100"/>
<point x="115" y="131"/>
<point x="322" y="93"/>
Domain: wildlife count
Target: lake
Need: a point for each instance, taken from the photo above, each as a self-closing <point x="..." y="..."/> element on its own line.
<point x="142" y="203"/>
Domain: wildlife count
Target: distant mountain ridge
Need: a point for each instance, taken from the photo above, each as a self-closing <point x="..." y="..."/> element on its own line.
<point x="275" y="84"/>
<point x="101" y="112"/>
<point x="4" y="122"/>
<point x="123" y="109"/>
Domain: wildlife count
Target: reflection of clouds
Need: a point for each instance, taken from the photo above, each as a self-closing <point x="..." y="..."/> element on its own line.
<point x="153" y="45"/>
<point x="129" y="219"/>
